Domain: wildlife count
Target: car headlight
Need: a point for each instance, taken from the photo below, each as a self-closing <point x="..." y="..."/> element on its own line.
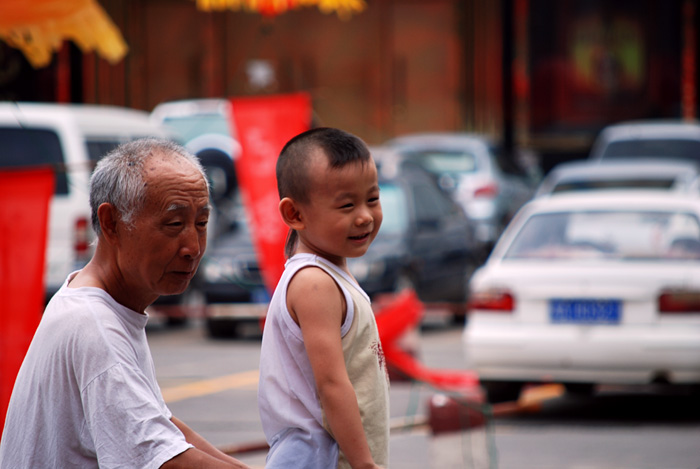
<point x="364" y="270"/>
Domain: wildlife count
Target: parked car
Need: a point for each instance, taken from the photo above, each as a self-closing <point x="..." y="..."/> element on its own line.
<point x="472" y="168"/>
<point x="231" y="281"/>
<point x="426" y="242"/>
<point x="676" y="139"/>
<point x="588" y="289"/>
<point x="205" y="128"/>
<point x="627" y="173"/>
<point x="69" y="138"/>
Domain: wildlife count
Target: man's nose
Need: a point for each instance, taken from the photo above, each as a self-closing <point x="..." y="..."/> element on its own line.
<point x="193" y="243"/>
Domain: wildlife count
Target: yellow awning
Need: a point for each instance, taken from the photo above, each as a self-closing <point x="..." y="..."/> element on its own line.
<point x="39" y="27"/>
<point x="343" y="8"/>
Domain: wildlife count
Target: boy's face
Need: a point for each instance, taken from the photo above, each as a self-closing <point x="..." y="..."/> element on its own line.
<point x="343" y="214"/>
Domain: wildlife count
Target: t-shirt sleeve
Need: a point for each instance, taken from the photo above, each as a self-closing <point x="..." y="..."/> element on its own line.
<point x="127" y="425"/>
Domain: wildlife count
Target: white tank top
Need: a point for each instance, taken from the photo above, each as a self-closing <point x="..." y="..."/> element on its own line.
<point x="290" y="410"/>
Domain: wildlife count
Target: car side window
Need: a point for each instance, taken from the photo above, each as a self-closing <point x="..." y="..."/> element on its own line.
<point x="27" y="148"/>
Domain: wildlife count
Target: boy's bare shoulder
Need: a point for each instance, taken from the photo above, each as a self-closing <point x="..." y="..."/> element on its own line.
<point x="312" y="278"/>
<point x="313" y="293"/>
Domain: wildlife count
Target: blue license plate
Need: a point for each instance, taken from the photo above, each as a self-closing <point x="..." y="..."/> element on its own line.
<point x="585" y="311"/>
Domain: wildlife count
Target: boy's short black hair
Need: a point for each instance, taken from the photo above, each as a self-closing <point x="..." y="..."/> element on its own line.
<point x="340" y="147"/>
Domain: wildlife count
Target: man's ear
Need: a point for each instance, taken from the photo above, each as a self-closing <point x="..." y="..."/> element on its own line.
<point x="290" y="214"/>
<point x="107" y="217"/>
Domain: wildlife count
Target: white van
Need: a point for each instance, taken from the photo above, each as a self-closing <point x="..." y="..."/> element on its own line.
<point x="70" y="138"/>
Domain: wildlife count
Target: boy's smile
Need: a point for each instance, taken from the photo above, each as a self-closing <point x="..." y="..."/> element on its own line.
<point x="343" y="214"/>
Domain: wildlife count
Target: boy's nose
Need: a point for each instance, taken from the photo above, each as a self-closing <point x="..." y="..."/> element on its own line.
<point x="364" y="217"/>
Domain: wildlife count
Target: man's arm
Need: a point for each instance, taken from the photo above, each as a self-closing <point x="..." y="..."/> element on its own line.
<point x="203" y="455"/>
<point x="317" y="303"/>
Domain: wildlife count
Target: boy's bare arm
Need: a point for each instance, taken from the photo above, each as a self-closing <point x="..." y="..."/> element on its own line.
<point x="316" y="301"/>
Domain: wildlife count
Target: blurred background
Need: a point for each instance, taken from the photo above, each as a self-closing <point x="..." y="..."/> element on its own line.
<point x="472" y="109"/>
<point x="536" y="74"/>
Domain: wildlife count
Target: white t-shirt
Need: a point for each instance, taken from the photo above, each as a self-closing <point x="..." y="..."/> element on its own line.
<point x="289" y="405"/>
<point x="86" y="394"/>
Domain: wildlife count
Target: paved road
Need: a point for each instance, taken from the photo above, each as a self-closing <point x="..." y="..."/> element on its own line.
<point x="211" y="384"/>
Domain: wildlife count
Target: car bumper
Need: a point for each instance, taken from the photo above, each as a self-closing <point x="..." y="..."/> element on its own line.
<point x="606" y="354"/>
<point x="238" y="311"/>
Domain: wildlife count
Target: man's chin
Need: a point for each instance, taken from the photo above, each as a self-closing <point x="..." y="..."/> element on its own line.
<point x="175" y="289"/>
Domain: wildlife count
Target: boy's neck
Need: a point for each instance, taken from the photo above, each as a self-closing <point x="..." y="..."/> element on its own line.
<point x="340" y="262"/>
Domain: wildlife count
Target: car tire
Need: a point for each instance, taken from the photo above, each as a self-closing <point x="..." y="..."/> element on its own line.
<point x="580" y="389"/>
<point x="502" y="391"/>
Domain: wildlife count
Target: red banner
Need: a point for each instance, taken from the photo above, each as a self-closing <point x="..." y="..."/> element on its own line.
<point x="24" y="208"/>
<point x="263" y="125"/>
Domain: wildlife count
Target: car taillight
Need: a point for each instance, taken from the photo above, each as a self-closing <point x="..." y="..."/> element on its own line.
<point x="82" y="239"/>
<point x="489" y="190"/>
<point x="679" y="301"/>
<point x="492" y="300"/>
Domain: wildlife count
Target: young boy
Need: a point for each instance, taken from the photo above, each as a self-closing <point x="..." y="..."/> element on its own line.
<point x="324" y="389"/>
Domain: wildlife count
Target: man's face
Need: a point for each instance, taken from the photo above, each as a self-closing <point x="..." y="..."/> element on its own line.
<point x="160" y="254"/>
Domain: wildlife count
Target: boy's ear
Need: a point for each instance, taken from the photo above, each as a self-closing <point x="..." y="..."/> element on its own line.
<point x="290" y="214"/>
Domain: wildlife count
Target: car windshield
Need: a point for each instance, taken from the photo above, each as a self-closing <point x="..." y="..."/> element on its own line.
<point x="189" y="127"/>
<point x="445" y="161"/>
<point x="644" y="235"/>
<point x="394" y="210"/>
<point x="684" y="149"/>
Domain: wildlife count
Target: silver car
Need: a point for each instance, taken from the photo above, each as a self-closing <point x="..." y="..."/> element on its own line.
<point x="489" y="187"/>
<point x="671" y="138"/>
<point x="621" y="174"/>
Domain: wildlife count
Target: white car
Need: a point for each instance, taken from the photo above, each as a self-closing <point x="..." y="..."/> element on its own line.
<point x="587" y="289"/>
<point x="70" y="138"/>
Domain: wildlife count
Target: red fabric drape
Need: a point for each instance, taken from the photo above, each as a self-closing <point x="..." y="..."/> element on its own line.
<point x="24" y="208"/>
<point x="263" y="125"/>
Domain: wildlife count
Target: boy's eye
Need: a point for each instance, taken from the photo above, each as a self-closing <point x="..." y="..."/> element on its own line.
<point x="348" y="205"/>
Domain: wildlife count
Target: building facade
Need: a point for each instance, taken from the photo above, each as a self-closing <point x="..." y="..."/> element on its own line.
<point x="541" y="74"/>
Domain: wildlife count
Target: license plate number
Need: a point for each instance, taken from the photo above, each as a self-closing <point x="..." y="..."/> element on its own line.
<point x="585" y="311"/>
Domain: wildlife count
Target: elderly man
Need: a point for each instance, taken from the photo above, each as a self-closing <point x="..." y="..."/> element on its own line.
<point x="86" y="395"/>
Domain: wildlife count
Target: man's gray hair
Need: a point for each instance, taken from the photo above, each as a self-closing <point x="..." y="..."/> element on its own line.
<point x="118" y="177"/>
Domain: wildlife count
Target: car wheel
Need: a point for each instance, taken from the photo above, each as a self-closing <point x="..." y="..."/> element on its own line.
<point x="502" y="391"/>
<point x="580" y="389"/>
<point x="222" y="328"/>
